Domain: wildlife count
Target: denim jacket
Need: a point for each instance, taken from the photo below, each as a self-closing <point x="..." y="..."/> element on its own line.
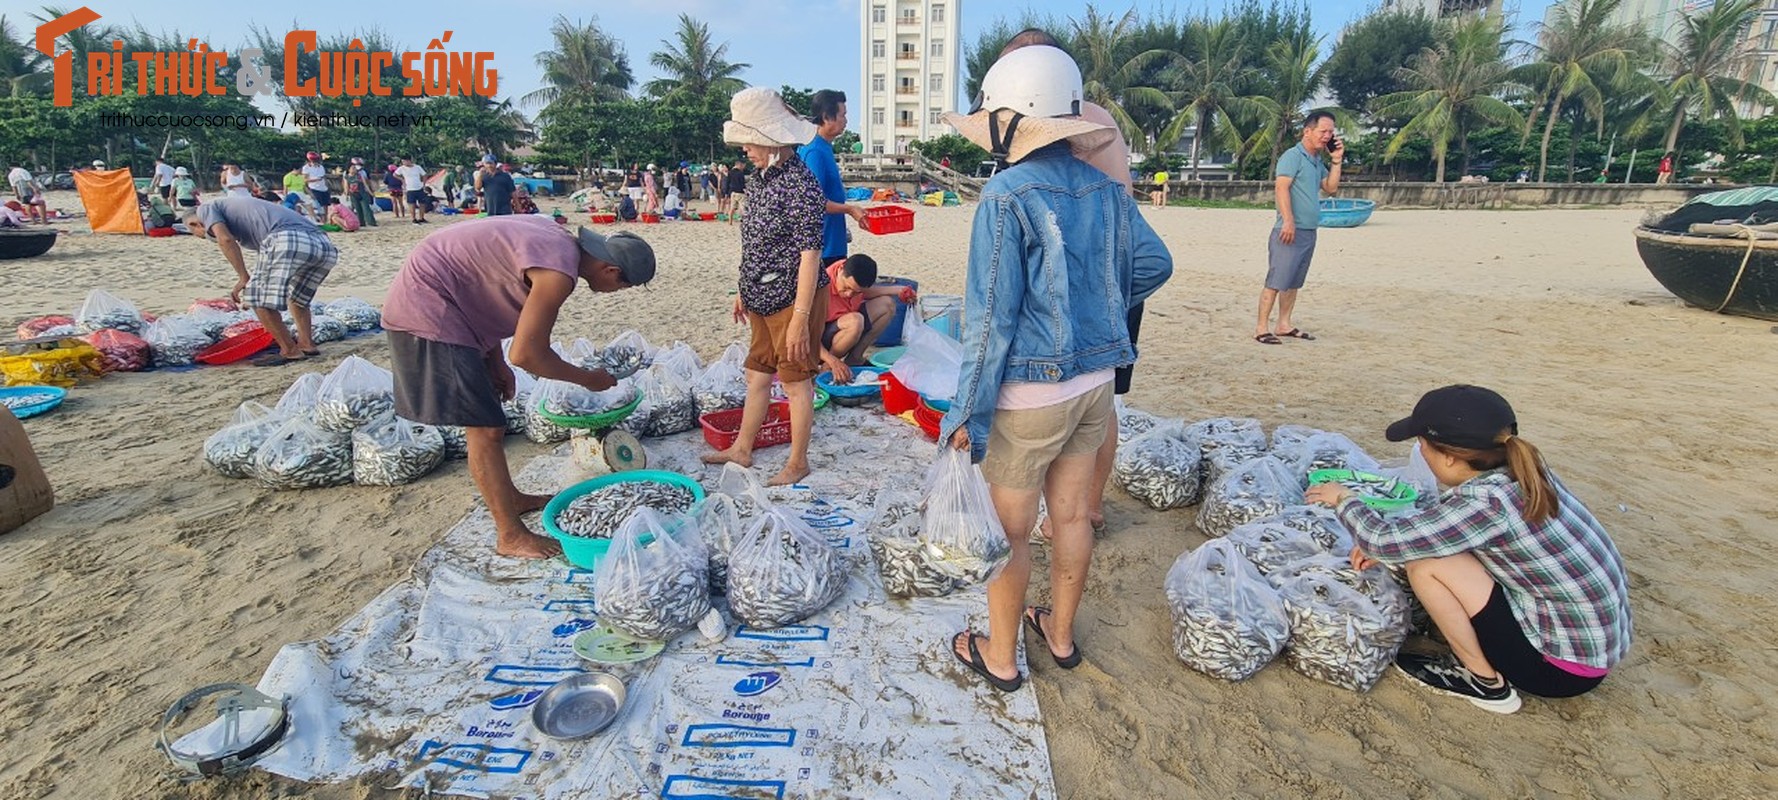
<point x="1057" y="256"/>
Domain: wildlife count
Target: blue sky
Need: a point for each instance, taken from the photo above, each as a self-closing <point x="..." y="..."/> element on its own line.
<point x="805" y="43"/>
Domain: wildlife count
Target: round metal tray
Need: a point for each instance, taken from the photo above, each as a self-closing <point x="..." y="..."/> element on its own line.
<point x="579" y="707"/>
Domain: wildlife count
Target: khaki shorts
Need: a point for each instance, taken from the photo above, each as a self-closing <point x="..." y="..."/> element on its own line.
<point x="1023" y="443"/>
<point x="768" y="353"/>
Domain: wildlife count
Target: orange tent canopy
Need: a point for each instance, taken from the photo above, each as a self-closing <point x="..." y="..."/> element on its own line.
<point x="110" y="199"/>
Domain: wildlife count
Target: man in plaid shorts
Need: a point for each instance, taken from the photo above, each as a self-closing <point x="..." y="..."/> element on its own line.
<point x="294" y="258"/>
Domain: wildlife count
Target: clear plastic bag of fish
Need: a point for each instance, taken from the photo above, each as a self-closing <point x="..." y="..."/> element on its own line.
<point x="735" y="354"/>
<point x="727" y="513"/>
<point x="1325" y="451"/>
<point x="1132" y="422"/>
<point x="231" y="451"/>
<point x="515" y="411"/>
<point x="352" y="395"/>
<point x="392" y="451"/>
<point x="1217" y="432"/>
<point x="653" y="583"/>
<point x="303" y="455"/>
<point x="1271" y="547"/>
<point x="781" y="572"/>
<point x="581" y="353"/>
<point x="1228" y="622"/>
<point x="1226" y="459"/>
<point x="958" y="526"/>
<point x="211" y="321"/>
<point x="681" y="358"/>
<point x="667" y="406"/>
<point x="1345" y="628"/>
<point x="599" y="513"/>
<point x="1320" y="523"/>
<point x="1160" y="467"/>
<point x="102" y="309"/>
<point x="719" y="388"/>
<point x="357" y="314"/>
<point x="1255" y="490"/>
<point x="456" y="441"/>
<point x="327" y="328"/>
<point x="904" y="563"/>
<point x="175" y="340"/>
<point x="565" y="399"/>
<point x="1287" y="436"/>
<point x="299" y="399"/>
<point x="541" y="430"/>
<point x="625" y="355"/>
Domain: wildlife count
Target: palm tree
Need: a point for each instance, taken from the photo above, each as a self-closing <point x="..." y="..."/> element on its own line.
<point x="586" y="63"/>
<point x="92" y="38"/>
<point x="1580" y="56"/>
<point x="694" y="65"/>
<point x="1102" y="49"/>
<point x="1455" y="84"/>
<point x="1703" y="64"/>
<point x="1208" y="90"/>
<point x="21" y="67"/>
<point x="1292" y="78"/>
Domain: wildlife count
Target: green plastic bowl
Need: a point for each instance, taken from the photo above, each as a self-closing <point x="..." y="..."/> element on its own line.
<point x="581" y="551"/>
<point x="592" y="421"/>
<point x="1401" y="493"/>
<point x="885" y="358"/>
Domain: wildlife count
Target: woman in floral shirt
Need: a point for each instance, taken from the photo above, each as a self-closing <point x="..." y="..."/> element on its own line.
<point x="783" y="293"/>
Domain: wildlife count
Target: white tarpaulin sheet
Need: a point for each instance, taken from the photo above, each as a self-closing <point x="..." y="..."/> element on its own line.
<point x="431" y="684"/>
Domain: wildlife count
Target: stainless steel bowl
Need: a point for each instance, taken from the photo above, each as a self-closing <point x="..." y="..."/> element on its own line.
<point x="579" y="707"/>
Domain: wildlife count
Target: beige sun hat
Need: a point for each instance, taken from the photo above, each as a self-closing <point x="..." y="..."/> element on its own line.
<point x="1030" y="98"/>
<point x="757" y="115"/>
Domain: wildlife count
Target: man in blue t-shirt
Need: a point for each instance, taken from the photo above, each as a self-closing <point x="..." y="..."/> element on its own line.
<point x="828" y="110"/>
<point x="1301" y="180"/>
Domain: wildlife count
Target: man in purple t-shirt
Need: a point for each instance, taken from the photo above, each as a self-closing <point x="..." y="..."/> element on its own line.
<point x="460" y="292"/>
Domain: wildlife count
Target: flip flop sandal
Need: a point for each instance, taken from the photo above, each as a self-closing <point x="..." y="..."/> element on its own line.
<point x="1268" y="338"/>
<point x="1298" y="333"/>
<point x="273" y="360"/>
<point x="980" y="667"/>
<point x="1033" y="620"/>
<point x="311" y="352"/>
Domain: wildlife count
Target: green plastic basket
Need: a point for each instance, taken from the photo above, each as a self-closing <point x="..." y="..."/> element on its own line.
<point x="1400" y="494"/>
<point x="592" y="421"/>
<point x="583" y="552"/>
<point x="885" y="358"/>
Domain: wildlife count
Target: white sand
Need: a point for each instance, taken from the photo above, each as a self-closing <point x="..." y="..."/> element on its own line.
<point x="154" y="575"/>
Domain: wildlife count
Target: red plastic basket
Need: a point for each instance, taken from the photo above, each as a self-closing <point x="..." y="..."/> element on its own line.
<point x="607" y="218"/>
<point x="235" y="348"/>
<point x="888" y="219"/>
<point x="721" y="428"/>
<point x="898" y="399"/>
<point x="651" y="219"/>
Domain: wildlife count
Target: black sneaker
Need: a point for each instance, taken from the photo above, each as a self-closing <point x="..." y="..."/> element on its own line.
<point x="1445" y="674"/>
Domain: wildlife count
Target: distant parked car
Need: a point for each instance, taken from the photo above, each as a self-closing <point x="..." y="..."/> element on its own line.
<point x="61" y="180"/>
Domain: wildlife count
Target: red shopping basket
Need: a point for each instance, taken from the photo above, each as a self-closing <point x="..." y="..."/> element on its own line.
<point x="721" y="428"/>
<point x="888" y="219"/>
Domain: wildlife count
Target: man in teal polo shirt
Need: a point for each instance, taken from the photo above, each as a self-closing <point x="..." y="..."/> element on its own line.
<point x="1302" y="178"/>
<point x="828" y="111"/>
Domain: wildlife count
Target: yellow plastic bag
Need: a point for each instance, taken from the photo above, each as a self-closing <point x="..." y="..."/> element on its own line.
<point x="63" y="363"/>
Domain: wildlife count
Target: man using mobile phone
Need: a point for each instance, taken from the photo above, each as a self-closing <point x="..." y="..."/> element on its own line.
<point x="1302" y="178"/>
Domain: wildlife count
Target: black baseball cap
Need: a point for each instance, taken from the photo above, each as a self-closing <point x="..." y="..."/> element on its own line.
<point x="632" y="256"/>
<point x="1461" y="415"/>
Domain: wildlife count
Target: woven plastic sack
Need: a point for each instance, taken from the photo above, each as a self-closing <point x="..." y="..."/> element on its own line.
<point x="175" y="340"/>
<point x="103" y="309"/>
<point x="1160" y="467"/>
<point x="64" y="366"/>
<point x="302" y="455"/>
<point x="391" y="451"/>
<point x="353" y="394"/>
<point x="231" y="451"/>
<point x="960" y="528"/>
<point x="781" y="572"/>
<point x="653" y="583"/>
<point x="120" y="350"/>
<point x="1228" y="622"/>
<point x="1255" y="490"/>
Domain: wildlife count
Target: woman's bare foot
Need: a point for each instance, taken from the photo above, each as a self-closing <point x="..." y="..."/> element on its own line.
<point x="527" y="503"/>
<point x="525" y="544"/>
<point x="789" y="475"/>
<point x="729" y="456"/>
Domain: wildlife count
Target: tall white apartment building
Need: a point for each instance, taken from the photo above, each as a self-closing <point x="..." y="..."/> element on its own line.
<point x="1442" y="9"/>
<point x="912" y="52"/>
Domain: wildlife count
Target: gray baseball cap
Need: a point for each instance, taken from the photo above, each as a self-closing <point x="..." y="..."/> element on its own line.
<point x="633" y="257"/>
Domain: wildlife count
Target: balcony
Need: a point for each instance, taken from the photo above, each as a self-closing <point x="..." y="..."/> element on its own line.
<point x="907" y="55"/>
<point x="906" y="90"/>
<point x="908" y="22"/>
<point x="906" y="123"/>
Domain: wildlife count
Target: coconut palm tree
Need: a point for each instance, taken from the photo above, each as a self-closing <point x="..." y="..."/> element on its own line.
<point x="1580" y="56"/>
<point x="694" y="65"/>
<point x="1456" y="84"/>
<point x="586" y="62"/>
<point x="1208" y="90"/>
<point x="1104" y="48"/>
<point x="1292" y="76"/>
<point x="1702" y="66"/>
<point x="21" y="67"/>
<point x="91" y="38"/>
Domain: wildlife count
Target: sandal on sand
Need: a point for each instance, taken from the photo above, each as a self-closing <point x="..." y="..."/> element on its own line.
<point x="1268" y="338"/>
<point x="273" y="360"/>
<point x="311" y="352"/>
<point x="980" y="667"/>
<point x="1034" y="620"/>
<point x="1298" y="333"/>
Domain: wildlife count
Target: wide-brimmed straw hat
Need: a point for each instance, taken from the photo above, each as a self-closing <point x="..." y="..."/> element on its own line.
<point x="1030" y="98"/>
<point x="757" y="115"/>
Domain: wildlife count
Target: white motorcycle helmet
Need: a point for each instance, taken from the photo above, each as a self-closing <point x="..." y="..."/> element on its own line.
<point x="1026" y="85"/>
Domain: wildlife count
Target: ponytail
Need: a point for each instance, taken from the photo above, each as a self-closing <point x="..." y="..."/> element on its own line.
<point x="1525" y="464"/>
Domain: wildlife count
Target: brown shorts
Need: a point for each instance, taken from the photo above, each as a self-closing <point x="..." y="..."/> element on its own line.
<point x="1023" y="443"/>
<point x="767" y="353"/>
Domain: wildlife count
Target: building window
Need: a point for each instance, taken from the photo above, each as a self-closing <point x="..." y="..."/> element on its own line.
<point x="878" y="49"/>
<point x="938" y="48"/>
<point x="932" y="116"/>
<point x="907" y="51"/>
<point x="938" y="13"/>
<point x="879" y="15"/>
<point x="876" y="116"/>
<point x="936" y="83"/>
<point x="877" y="149"/>
<point x="876" y="83"/>
<point x="905" y="119"/>
<point x="909" y="17"/>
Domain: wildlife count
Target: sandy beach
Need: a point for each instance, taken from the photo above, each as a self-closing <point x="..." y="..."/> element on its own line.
<point x="154" y="575"/>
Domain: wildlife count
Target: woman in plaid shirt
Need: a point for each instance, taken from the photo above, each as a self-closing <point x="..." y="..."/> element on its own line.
<point x="1520" y="578"/>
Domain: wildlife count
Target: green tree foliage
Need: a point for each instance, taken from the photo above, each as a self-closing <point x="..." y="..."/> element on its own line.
<point x="584" y="62"/>
<point x="1703" y="67"/>
<point x="965" y="156"/>
<point x="1579" y="57"/>
<point x="1454" y="88"/>
<point x="1371" y="49"/>
<point x="693" y="65"/>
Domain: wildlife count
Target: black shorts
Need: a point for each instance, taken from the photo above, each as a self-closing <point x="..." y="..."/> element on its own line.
<point x="322" y="197"/>
<point x="443" y="384"/>
<point x="414" y="196"/>
<point x="1504" y="644"/>
<point x="1121" y="380"/>
<point x="188" y="202"/>
<point x="166" y="192"/>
